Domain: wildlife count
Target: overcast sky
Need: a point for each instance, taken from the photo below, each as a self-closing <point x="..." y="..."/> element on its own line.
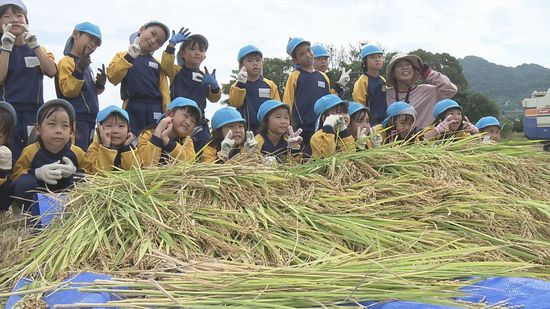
<point x="504" y="32"/>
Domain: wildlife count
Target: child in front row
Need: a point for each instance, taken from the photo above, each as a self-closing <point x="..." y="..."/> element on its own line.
<point x="8" y="119"/>
<point x="399" y="124"/>
<point x="332" y="133"/>
<point x="276" y="139"/>
<point x="171" y="136"/>
<point x="449" y="122"/>
<point x="491" y="127"/>
<point x="113" y="146"/>
<point x="52" y="161"/>
<point x="229" y="138"/>
<point x="359" y="125"/>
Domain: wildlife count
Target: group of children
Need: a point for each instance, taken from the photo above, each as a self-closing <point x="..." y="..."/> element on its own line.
<point x="52" y="145"/>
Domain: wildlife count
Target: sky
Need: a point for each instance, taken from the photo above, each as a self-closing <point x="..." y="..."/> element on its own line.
<point x="504" y="32"/>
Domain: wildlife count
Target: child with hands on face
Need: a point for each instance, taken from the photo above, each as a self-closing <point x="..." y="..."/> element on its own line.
<point x="8" y="118"/>
<point x="53" y="160"/>
<point x="229" y="137"/>
<point x="449" y="122"/>
<point x="113" y="148"/>
<point x="490" y="127"/>
<point x="170" y="138"/>
<point x="333" y="134"/>
<point x="359" y="125"/>
<point x="398" y="126"/>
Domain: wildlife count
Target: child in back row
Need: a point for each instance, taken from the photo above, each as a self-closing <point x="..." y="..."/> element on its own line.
<point x="251" y="89"/>
<point x="187" y="80"/>
<point x="8" y="118"/>
<point x="113" y="146"/>
<point x="449" y="122"/>
<point x="304" y="87"/>
<point x="144" y="87"/>
<point x="75" y="83"/>
<point x="23" y="64"/>
<point x="320" y="63"/>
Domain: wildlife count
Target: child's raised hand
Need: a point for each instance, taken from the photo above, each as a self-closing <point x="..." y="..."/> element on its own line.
<point x="101" y="77"/>
<point x="104" y="135"/>
<point x="242" y="77"/>
<point x="161" y="126"/>
<point x="179" y="37"/>
<point x="134" y="49"/>
<point x="362" y="137"/>
<point x="294" y="139"/>
<point x="30" y="38"/>
<point x="84" y="59"/>
<point x="468" y="126"/>
<point x="251" y="143"/>
<point x="210" y="79"/>
<point x="8" y="38"/>
<point x="5" y="158"/>
<point x="129" y="139"/>
<point x="443" y="126"/>
<point x="227" y="145"/>
<point x="344" y="78"/>
<point x="165" y="135"/>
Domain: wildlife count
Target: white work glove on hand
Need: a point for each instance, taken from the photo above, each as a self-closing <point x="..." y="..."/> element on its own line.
<point x="49" y="173"/>
<point x="362" y="138"/>
<point x="469" y="127"/>
<point x="331" y="120"/>
<point x="443" y="126"/>
<point x="242" y="77"/>
<point x="5" y="158"/>
<point x="344" y="78"/>
<point x="30" y="38"/>
<point x="251" y="144"/>
<point x="67" y="168"/>
<point x="8" y="39"/>
<point x="227" y="145"/>
<point x="376" y="138"/>
<point x="294" y="139"/>
<point x="134" y="50"/>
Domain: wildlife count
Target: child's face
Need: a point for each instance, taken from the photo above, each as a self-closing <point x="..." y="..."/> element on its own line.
<point x="183" y="122"/>
<point x="278" y="121"/>
<point x="17" y="20"/>
<point x="84" y="42"/>
<point x="493" y="132"/>
<point x="456" y="118"/>
<point x="304" y="56"/>
<point x="403" y="71"/>
<point x="341" y="110"/>
<point x="193" y="55"/>
<point x="2" y="138"/>
<point x="253" y="64"/>
<point x="238" y="132"/>
<point x="151" y="39"/>
<point x="320" y="64"/>
<point x="358" y="124"/>
<point x="375" y="62"/>
<point x="118" y="128"/>
<point x="403" y="125"/>
<point x="55" y="130"/>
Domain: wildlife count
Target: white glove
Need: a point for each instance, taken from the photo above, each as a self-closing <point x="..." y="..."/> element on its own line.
<point x="344" y="78"/>
<point x="362" y="138"/>
<point x="443" y="126"/>
<point x="376" y="138"/>
<point x="242" y="77"/>
<point x="487" y="140"/>
<point x="251" y="144"/>
<point x="49" y="173"/>
<point x="227" y="145"/>
<point x="5" y="158"/>
<point x="468" y="126"/>
<point x="68" y="168"/>
<point x="8" y="39"/>
<point x="134" y="50"/>
<point x="331" y="120"/>
<point x="294" y="139"/>
<point x="30" y="38"/>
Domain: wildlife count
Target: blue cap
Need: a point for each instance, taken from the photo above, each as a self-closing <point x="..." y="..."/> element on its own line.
<point x="248" y="49"/>
<point x="396" y="109"/>
<point x="60" y="102"/>
<point x="85" y="27"/>
<point x="182" y="102"/>
<point x="107" y="111"/>
<point x="193" y="37"/>
<point x="268" y="106"/>
<point x="369" y="49"/>
<point x="293" y="43"/>
<point x="17" y="3"/>
<point x="327" y="102"/>
<point x="319" y="51"/>
<point x="224" y="116"/>
<point x="8" y="108"/>
<point x="444" y="105"/>
<point x="355" y="107"/>
<point x="487" y="122"/>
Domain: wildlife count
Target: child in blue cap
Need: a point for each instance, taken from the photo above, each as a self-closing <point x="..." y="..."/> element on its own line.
<point x="8" y="118"/>
<point x="170" y="138"/>
<point x="251" y="89"/>
<point x="144" y="87"/>
<point x="187" y="80"/>
<point x="23" y="64"/>
<point x="304" y="87"/>
<point x="370" y="88"/>
<point x="359" y="125"/>
<point x="333" y="134"/>
<point x="399" y="125"/>
<point x="229" y="137"/>
<point x="491" y="128"/>
<point x="52" y="162"/>
<point x="449" y="122"/>
<point x="320" y="63"/>
<point x="75" y="82"/>
<point x="113" y="146"/>
<point x="276" y="138"/>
